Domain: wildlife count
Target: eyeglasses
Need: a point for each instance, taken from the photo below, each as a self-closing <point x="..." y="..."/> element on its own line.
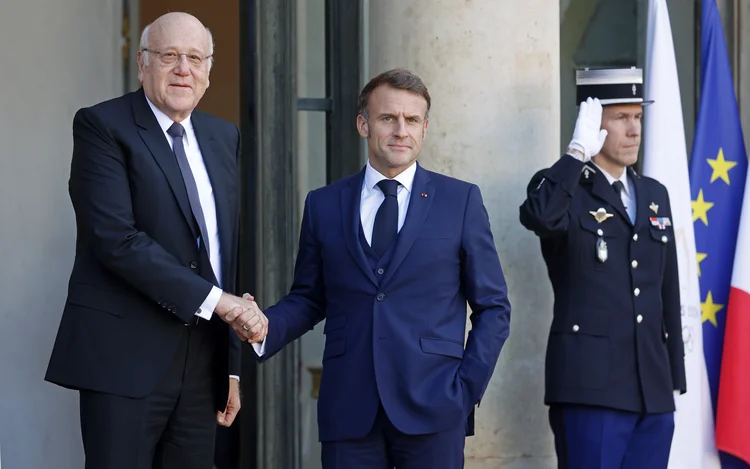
<point x="171" y="58"/>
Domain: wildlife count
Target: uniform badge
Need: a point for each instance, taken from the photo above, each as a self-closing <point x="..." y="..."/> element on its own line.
<point x="654" y="207"/>
<point x="601" y="215"/>
<point x="601" y="250"/>
<point x="660" y="222"/>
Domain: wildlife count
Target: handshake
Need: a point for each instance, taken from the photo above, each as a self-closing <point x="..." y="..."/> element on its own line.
<point x="244" y="315"/>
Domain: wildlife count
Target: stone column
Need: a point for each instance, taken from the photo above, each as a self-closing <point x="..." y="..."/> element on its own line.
<point x="492" y="69"/>
<point x="277" y="229"/>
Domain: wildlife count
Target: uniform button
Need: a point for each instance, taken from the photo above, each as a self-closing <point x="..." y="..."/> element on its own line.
<point x="194" y="265"/>
<point x="634" y="264"/>
<point x="639" y="318"/>
<point x="600" y="232"/>
<point x="663" y="239"/>
<point x="666" y="335"/>
<point x="635" y="237"/>
<point x="380" y="271"/>
<point x="576" y="328"/>
<point x="381" y="296"/>
<point x="637" y="291"/>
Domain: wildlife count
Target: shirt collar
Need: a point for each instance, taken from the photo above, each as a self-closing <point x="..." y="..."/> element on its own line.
<point x="610" y="179"/>
<point x="373" y="177"/>
<point x="165" y="122"/>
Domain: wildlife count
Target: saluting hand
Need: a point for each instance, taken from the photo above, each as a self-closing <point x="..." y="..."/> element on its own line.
<point x="588" y="135"/>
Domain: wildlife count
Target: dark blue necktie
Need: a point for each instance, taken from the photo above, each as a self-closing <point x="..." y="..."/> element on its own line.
<point x="386" y="221"/>
<point x="177" y="131"/>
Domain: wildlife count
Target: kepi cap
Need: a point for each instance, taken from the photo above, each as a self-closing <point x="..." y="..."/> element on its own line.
<point x="611" y="85"/>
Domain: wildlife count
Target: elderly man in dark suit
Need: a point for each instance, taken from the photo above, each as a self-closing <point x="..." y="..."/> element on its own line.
<point x="154" y="186"/>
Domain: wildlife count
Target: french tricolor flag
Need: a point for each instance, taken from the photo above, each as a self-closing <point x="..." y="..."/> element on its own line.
<point x="733" y="409"/>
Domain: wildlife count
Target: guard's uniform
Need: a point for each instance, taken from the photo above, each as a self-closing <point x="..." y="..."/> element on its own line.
<point x="615" y="351"/>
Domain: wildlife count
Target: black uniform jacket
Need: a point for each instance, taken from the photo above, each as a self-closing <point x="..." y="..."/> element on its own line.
<point x="615" y="339"/>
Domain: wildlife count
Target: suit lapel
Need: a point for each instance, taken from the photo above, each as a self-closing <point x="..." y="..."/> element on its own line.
<point x="221" y="181"/>
<point x="350" y="200"/>
<point x="642" y="201"/>
<point x="603" y="190"/>
<point x="419" y="207"/>
<point x="153" y="137"/>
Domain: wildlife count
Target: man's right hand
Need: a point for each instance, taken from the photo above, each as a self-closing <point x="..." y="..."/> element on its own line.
<point x="244" y="315"/>
<point x="588" y="136"/>
<point x="229" y="302"/>
<point x="250" y="325"/>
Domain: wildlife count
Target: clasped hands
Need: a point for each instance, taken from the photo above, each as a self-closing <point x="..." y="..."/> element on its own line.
<point x="244" y="316"/>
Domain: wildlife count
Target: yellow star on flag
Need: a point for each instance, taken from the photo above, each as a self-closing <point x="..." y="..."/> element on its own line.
<point x="701" y="208"/>
<point x="709" y="309"/>
<point x="700" y="257"/>
<point x="721" y="167"/>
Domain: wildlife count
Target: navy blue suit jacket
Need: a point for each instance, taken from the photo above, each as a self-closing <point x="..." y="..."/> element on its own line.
<point x="398" y="337"/>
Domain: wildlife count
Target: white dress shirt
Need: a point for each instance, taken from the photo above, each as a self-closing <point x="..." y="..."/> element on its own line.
<point x="372" y="197"/>
<point x="206" y="195"/>
<point x="627" y="195"/>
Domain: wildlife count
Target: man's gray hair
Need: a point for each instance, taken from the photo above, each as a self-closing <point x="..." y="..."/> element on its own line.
<point x="144" y="45"/>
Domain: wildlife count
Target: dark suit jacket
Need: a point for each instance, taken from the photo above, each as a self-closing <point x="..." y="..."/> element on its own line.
<point x="398" y="336"/>
<point x="135" y="281"/>
<point x="616" y="335"/>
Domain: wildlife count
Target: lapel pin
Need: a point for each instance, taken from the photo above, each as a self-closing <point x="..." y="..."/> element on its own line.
<point x="601" y="215"/>
<point x="424" y="194"/>
<point x="586" y="173"/>
<point x="654" y="207"/>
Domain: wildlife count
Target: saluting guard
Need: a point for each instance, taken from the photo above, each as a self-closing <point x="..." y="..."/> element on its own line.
<point x="615" y="354"/>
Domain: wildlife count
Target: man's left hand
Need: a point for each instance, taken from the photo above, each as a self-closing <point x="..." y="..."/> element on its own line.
<point x="226" y="418"/>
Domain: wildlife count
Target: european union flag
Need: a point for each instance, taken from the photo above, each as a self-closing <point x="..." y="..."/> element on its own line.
<point x="717" y="178"/>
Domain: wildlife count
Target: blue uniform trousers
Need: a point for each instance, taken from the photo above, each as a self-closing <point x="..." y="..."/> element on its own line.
<point x="588" y="437"/>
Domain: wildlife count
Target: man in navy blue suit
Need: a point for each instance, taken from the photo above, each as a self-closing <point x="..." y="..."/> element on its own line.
<point x="390" y="257"/>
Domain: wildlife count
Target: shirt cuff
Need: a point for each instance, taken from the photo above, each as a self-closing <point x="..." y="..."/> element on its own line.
<point x="206" y="310"/>
<point x="260" y="349"/>
<point x="235" y="377"/>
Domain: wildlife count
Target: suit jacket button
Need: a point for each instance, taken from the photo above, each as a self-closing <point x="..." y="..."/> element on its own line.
<point x="380" y="271"/>
<point x="635" y="237"/>
<point x="194" y="265"/>
<point x="634" y="264"/>
<point x="637" y="291"/>
<point x="576" y="328"/>
<point x="381" y="296"/>
<point x="639" y="318"/>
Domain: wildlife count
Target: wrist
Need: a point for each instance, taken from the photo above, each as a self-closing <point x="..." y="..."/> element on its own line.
<point x="224" y="305"/>
<point x="576" y="153"/>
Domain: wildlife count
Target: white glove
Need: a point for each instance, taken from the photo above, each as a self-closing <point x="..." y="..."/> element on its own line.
<point x="588" y="135"/>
